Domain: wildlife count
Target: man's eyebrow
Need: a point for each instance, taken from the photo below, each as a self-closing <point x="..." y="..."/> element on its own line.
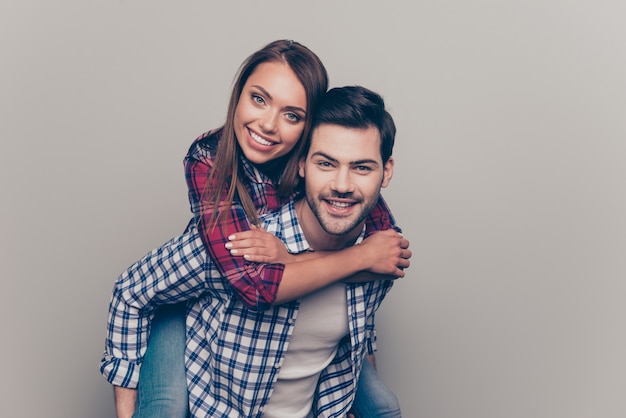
<point x="356" y="162"/>
<point x="367" y="161"/>
<point x="269" y="96"/>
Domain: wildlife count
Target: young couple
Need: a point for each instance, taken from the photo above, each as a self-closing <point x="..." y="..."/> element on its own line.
<point x="266" y="301"/>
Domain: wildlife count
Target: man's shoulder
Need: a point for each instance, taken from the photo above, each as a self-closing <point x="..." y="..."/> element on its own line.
<point x="285" y="215"/>
<point x="284" y="224"/>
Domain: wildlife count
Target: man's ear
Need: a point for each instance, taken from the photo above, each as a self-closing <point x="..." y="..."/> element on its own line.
<point x="387" y="172"/>
<point x="301" y="167"/>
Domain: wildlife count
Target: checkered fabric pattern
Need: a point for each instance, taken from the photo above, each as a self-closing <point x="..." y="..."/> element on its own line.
<point x="255" y="284"/>
<point x="223" y="288"/>
<point x="233" y="353"/>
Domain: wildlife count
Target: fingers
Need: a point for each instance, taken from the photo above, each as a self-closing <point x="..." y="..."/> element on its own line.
<point x="254" y="254"/>
<point x="249" y="239"/>
<point x="249" y="247"/>
<point x="255" y="232"/>
<point x="245" y="243"/>
<point x="256" y="246"/>
<point x="257" y="258"/>
<point x="404" y="263"/>
<point x="391" y="233"/>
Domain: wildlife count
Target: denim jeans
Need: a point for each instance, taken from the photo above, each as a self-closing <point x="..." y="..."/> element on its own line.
<point x="373" y="398"/>
<point x="162" y="391"/>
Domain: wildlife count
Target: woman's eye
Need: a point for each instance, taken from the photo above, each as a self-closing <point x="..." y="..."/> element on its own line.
<point x="258" y="99"/>
<point x="293" y="117"/>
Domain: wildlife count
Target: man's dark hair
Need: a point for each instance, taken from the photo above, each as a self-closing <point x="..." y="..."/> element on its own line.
<point x="356" y="107"/>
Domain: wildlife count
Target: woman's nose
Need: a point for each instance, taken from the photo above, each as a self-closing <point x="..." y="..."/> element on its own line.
<point x="269" y="121"/>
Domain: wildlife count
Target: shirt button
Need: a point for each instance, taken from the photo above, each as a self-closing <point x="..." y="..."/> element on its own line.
<point x="291" y="321"/>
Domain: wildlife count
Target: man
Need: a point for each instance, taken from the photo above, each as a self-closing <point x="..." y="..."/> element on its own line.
<point x="305" y="355"/>
<point x="348" y="160"/>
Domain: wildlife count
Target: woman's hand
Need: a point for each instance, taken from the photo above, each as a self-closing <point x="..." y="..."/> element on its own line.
<point x="259" y="246"/>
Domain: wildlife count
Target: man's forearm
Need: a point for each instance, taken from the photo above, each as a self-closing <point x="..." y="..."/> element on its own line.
<point x="307" y="276"/>
<point x="366" y="276"/>
<point x="124" y="401"/>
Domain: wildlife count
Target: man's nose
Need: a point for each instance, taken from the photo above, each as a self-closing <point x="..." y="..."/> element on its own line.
<point x="342" y="183"/>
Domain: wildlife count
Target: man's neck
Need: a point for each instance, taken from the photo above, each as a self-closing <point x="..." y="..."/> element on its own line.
<point x="317" y="238"/>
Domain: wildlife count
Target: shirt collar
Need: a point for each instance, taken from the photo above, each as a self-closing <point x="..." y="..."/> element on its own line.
<point x="252" y="172"/>
<point x="295" y="241"/>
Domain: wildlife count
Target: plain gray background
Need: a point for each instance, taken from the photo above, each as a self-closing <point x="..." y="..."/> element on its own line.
<point x="510" y="184"/>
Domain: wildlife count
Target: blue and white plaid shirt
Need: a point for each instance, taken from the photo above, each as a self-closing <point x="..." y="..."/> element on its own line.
<point x="233" y="354"/>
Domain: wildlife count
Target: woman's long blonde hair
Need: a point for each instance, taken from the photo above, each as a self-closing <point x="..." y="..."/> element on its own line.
<point x="224" y="180"/>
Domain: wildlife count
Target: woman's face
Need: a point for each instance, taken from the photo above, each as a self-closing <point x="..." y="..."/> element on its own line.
<point x="269" y="118"/>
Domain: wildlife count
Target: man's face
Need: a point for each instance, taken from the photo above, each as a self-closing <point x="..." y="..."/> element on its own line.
<point x="343" y="174"/>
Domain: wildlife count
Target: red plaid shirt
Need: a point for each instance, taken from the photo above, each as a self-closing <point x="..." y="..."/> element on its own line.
<point x="255" y="283"/>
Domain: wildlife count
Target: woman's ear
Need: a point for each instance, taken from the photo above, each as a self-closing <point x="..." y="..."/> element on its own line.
<point x="301" y="167"/>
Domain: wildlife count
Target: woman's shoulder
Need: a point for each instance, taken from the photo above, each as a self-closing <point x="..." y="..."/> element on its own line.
<point x="209" y="139"/>
<point x="205" y="145"/>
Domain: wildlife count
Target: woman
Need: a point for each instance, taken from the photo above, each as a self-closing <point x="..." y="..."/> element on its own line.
<point x="245" y="168"/>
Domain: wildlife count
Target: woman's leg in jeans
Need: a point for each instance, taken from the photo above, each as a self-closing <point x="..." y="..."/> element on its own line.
<point x="373" y="398"/>
<point x="162" y="380"/>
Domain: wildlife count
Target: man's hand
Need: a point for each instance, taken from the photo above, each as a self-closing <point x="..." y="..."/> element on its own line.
<point x="124" y="401"/>
<point x="387" y="253"/>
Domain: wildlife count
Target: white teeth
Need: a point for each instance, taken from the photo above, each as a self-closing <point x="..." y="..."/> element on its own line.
<point x="342" y="205"/>
<point x="259" y="139"/>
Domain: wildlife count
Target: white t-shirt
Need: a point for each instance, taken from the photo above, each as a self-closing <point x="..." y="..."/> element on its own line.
<point x="321" y="323"/>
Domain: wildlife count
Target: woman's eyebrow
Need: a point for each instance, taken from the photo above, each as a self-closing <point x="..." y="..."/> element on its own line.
<point x="265" y="92"/>
<point x="269" y="96"/>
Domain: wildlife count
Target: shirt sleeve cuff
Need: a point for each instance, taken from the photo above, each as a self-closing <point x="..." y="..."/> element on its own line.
<point x="120" y="372"/>
<point x="370" y="342"/>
